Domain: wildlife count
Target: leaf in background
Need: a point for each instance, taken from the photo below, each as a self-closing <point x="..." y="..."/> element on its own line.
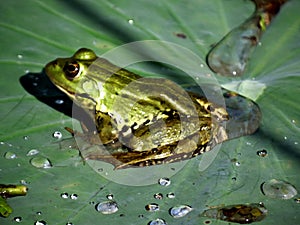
<point x="35" y="32"/>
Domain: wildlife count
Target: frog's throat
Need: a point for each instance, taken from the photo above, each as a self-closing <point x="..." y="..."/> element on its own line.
<point x="77" y="97"/>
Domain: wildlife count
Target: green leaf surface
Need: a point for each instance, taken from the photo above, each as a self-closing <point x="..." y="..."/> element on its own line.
<point x="35" y="32"/>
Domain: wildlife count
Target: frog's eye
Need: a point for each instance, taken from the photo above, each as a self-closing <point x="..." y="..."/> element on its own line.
<point x="71" y="70"/>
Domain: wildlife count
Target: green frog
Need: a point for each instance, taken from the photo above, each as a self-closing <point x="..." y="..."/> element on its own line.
<point x="139" y="121"/>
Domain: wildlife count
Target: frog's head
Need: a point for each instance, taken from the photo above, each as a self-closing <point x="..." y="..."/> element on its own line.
<point x="71" y="76"/>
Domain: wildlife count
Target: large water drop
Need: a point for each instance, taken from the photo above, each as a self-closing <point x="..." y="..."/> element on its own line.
<point x="278" y="189"/>
<point x="107" y="207"/>
<point x="180" y="211"/>
<point x="10" y="155"/>
<point x="41" y="162"/>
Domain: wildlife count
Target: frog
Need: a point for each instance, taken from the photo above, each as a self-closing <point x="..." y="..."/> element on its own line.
<point x="139" y="121"/>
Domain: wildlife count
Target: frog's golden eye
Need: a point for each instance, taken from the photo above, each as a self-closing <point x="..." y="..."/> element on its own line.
<point x="71" y="70"/>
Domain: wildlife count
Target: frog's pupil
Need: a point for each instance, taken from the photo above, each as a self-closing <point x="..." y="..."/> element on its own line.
<point x="71" y="69"/>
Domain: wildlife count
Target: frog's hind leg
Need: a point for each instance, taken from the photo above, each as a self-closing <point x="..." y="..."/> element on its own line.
<point x="141" y="159"/>
<point x="122" y="160"/>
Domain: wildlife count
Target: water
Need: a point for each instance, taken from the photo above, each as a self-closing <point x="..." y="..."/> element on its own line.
<point x="131" y="21"/>
<point x="57" y="134"/>
<point x="59" y="101"/>
<point x="278" y="189"/>
<point x="262" y="153"/>
<point x="26" y="138"/>
<point x="171" y="195"/>
<point x="110" y="196"/>
<point x="40" y="222"/>
<point x="41" y="162"/>
<point x="32" y="152"/>
<point x="164" y="181"/>
<point x="157" y="222"/>
<point x="153" y="207"/>
<point x="180" y="211"/>
<point x="18" y="219"/>
<point x="158" y="196"/>
<point x="64" y="195"/>
<point x="107" y="207"/>
<point x="73" y="196"/>
<point x="10" y="155"/>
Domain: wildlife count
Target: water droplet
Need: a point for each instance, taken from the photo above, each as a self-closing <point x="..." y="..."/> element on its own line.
<point x="278" y="189"/>
<point x="32" y="152"/>
<point x="64" y="195"/>
<point x="73" y="196"/>
<point x="107" y="207"/>
<point x="153" y="207"/>
<point x="164" y="181"/>
<point x="26" y="138"/>
<point x="297" y="200"/>
<point x="131" y="22"/>
<point x="40" y="222"/>
<point x="157" y="222"/>
<point x="158" y="196"/>
<point x="41" y="162"/>
<point x="20" y="56"/>
<point x="110" y="196"/>
<point x="171" y="195"/>
<point x="24" y="182"/>
<point x="180" y="211"/>
<point x="262" y="153"/>
<point x="10" y="155"/>
<point x="59" y="101"/>
<point x="57" y="134"/>
<point x="18" y="219"/>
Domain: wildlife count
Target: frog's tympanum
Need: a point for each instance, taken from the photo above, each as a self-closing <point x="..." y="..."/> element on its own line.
<point x="145" y="121"/>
